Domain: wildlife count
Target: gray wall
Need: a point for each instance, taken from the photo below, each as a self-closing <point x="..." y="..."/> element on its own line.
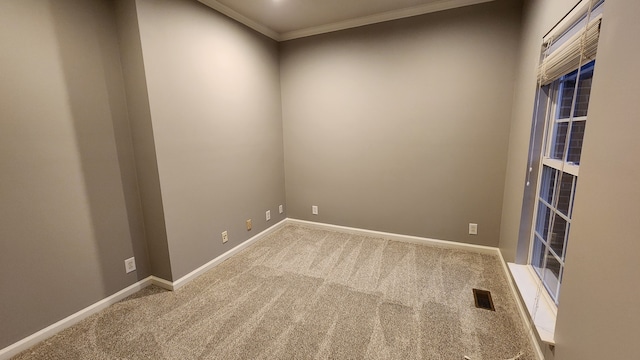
<point x="143" y="140"/>
<point x="69" y="214"/>
<point x="598" y="316"/>
<point x="214" y="95"/>
<point x="385" y="126"/>
<point x="205" y="130"/>
<point x="403" y="126"/>
<point x="539" y="18"/>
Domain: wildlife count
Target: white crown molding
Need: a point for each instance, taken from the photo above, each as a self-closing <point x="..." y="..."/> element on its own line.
<point x="381" y="17"/>
<point x="341" y="25"/>
<point x="241" y="18"/>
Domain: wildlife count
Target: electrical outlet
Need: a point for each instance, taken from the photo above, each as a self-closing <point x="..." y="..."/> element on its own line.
<point x="248" y="224"/>
<point x="268" y="215"/>
<point x="314" y="210"/>
<point x="225" y="236"/>
<point x="473" y="229"/>
<point x="280" y="209"/>
<point x="130" y="265"/>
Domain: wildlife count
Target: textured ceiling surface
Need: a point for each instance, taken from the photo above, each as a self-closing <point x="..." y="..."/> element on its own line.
<point x="287" y="19"/>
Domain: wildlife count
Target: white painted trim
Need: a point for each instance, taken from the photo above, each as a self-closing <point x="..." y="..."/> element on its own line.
<point x="566" y="120"/>
<point x="524" y="314"/>
<point x="215" y="262"/>
<point x="165" y="284"/>
<point x="340" y="25"/>
<point x="396" y="237"/>
<point x="537" y="283"/>
<point x="539" y="305"/>
<point x="71" y="320"/>
<point x="562" y="166"/>
<point x="225" y="10"/>
<point x="381" y="17"/>
<point x="579" y="11"/>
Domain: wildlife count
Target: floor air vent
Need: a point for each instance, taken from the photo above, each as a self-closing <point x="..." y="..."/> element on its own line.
<point x="483" y="299"/>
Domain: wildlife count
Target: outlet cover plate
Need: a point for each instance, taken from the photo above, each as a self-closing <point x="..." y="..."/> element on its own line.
<point x="473" y="229"/>
<point x="130" y="264"/>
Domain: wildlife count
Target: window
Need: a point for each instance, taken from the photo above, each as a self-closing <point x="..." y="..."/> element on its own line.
<point x="565" y="128"/>
<point x="565" y="76"/>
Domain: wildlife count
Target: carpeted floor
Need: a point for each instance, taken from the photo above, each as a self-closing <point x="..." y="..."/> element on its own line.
<point x="304" y="293"/>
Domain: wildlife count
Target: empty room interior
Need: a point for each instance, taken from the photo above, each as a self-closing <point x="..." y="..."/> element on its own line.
<point x="184" y="179"/>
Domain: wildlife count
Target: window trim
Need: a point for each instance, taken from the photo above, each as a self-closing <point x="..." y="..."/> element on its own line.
<point x="541" y="307"/>
<point x="553" y="97"/>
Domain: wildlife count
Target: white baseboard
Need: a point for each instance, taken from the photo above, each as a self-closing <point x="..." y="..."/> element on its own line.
<point x="73" y="319"/>
<point x="51" y="330"/>
<point x="397" y="237"/>
<point x="442" y="243"/>
<point x="213" y="263"/>
<point x="165" y="284"/>
<point x="524" y="313"/>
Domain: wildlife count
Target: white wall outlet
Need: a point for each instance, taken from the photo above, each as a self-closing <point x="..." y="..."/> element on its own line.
<point x="248" y="224"/>
<point x="225" y="236"/>
<point x="130" y="265"/>
<point x="280" y="209"/>
<point x="314" y="210"/>
<point x="473" y="229"/>
<point x="268" y="215"/>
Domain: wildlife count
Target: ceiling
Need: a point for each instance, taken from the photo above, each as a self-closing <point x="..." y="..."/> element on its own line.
<point x="291" y="19"/>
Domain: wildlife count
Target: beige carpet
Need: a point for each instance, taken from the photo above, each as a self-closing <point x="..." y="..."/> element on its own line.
<point x="304" y="293"/>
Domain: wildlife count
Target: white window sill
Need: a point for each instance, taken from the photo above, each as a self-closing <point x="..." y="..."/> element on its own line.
<point x="540" y="306"/>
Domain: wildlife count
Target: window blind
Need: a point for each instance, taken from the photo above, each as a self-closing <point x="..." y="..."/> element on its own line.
<point x="579" y="49"/>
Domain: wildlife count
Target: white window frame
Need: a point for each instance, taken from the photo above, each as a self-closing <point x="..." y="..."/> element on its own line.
<point x="553" y="101"/>
<point x="560" y="43"/>
<point x="540" y="305"/>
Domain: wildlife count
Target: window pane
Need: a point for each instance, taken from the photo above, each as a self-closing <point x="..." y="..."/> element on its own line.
<point x="563" y="141"/>
<point x="542" y="221"/>
<point x="575" y="143"/>
<point x="559" y="285"/>
<point x="537" y="256"/>
<point x="575" y="186"/>
<point x="559" y="140"/>
<point x="548" y="183"/>
<point x="584" y="90"/>
<point x="556" y="239"/>
<point x="551" y="274"/>
<point x="567" y="88"/>
<point x="564" y="193"/>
